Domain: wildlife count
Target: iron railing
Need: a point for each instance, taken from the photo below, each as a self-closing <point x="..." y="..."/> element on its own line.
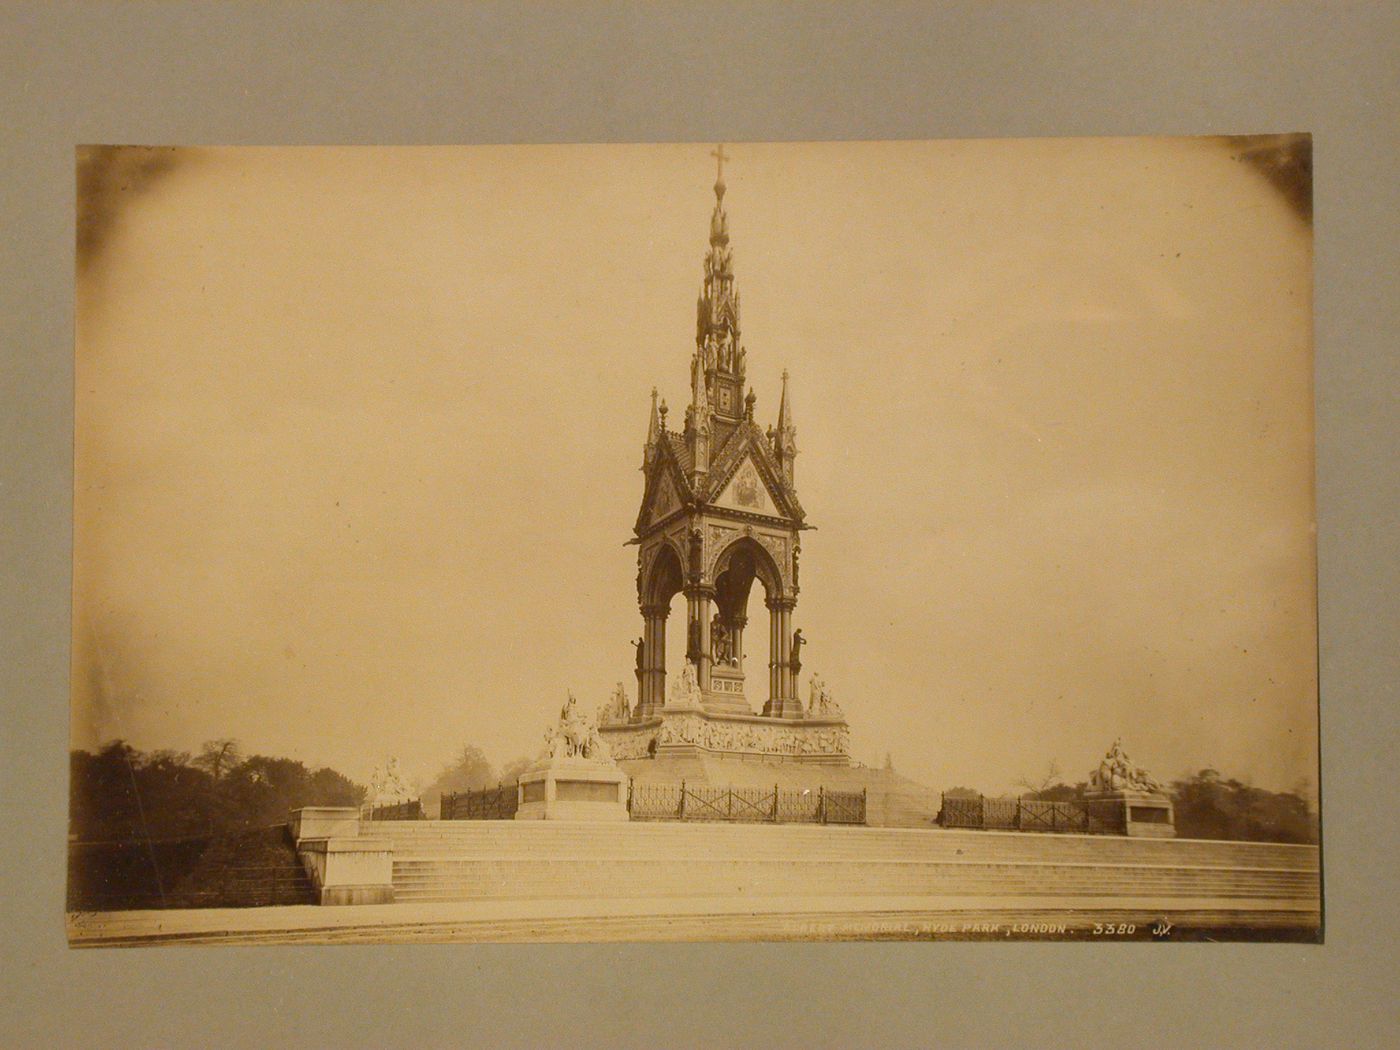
<point x="411" y="810"/>
<point x="689" y="801"/>
<point x="497" y="803"/>
<point x="1085" y="816"/>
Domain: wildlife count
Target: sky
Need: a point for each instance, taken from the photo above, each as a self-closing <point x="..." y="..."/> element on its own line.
<point x="359" y="430"/>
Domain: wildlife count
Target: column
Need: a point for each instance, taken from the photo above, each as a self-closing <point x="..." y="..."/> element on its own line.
<point x="774" y="648"/>
<point x="653" y="686"/>
<point x="699" y="603"/>
<point x="782" y="701"/>
<point x="785" y="649"/>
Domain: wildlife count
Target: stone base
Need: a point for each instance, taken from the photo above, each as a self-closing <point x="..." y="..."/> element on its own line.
<point x="686" y="729"/>
<point x="783" y="707"/>
<point x="573" y="789"/>
<point x="1144" y="815"/>
<point x="349" y="870"/>
<point x="695" y="751"/>
<point x="357" y="895"/>
<point x="726" y="704"/>
<point x="324" y="822"/>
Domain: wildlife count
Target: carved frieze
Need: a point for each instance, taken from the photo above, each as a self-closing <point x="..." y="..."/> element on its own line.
<point x="754" y="737"/>
<point x="723" y="736"/>
<point x="630" y="741"/>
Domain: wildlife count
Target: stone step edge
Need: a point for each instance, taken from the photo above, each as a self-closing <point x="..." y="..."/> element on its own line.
<point x="589" y="859"/>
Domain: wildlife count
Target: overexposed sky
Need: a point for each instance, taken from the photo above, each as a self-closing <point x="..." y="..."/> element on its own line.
<point x="359" y="429"/>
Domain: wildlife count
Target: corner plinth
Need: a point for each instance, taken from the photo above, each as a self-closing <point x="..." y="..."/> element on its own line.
<point x="350" y="869"/>
<point x="573" y="789"/>
<point x="1140" y="814"/>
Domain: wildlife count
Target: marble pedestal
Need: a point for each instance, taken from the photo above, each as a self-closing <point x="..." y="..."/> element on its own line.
<point x="1142" y="814"/>
<point x="573" y="789"/>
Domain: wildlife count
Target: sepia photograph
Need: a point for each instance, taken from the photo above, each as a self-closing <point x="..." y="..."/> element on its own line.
<point x="824" y="541"/>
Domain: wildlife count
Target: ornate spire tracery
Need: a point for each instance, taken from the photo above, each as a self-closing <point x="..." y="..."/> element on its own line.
<point x="718" y="351"/>
<point x="784" y="438"/>
<point x="653" y="434"/>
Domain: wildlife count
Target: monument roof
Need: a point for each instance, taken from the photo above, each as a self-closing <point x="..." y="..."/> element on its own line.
<point x="679" y="450"/>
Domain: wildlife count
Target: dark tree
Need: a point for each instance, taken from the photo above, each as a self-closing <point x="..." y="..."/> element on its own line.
<point x="1209" y="806"/>
<point x="217" y="757"/>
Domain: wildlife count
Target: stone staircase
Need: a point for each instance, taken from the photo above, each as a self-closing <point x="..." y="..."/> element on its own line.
<point x="503" y="860"/>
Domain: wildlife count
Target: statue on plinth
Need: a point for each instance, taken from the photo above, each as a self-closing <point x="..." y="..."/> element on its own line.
<point x="1117" y="772"/>
<point x="576" y="736"/>
<point x="721" y="644"/>
<point x="387" y="786"/>
<point x="616" y="708"/>
<point x="576" y="777"/>
<point x="819" y="700"/>
<point x="685" y="690"/>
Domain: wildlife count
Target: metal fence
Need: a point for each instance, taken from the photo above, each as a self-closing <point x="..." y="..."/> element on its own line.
<point x="497" y="803"/>
<point x="1085" y="816"/>
<point x="411" y="810"/>
<point x="683" y="801"/>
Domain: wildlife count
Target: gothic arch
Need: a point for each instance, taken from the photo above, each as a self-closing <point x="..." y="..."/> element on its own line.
<point x="664" y="577"/>
<point x="764" y="566"/>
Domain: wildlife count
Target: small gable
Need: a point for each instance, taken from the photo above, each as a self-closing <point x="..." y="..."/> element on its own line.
<point x="747" y="492"/>
<point x="666" y="499"/>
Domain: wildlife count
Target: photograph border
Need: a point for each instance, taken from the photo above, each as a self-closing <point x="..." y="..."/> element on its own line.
<point x="328" y="73"/>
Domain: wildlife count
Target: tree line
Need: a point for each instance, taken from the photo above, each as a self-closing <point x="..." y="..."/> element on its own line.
<point x="1206" y="805"/>
<point x="121" y="794"/>
<point x="468" y="771"/>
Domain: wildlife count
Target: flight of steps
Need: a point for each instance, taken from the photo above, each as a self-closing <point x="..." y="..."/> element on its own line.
<point x="479" y="860"/>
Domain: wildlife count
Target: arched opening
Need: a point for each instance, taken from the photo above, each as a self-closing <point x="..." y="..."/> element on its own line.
<point x="658" y="590"/>
<point x="736" y="671"/>
<point x="733" y="590"/>
<point x="741" y="664"/>
<point x="674" y="626"/>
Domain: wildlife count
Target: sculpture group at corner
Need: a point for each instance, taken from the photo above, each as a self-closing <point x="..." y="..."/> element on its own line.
<point x="1118" y="773"/>
<point x="575" y="736"/>
<point x="387" y="786"/>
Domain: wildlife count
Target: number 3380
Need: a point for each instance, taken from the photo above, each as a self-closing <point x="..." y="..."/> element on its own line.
<point x="1114" y="929"/>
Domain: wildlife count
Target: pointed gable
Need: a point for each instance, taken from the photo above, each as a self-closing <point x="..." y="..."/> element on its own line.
<point x="665" y="501"/>
<point x="747" y="491"/>
<point x="746" y="479"/>
<point x="667" y="490"/>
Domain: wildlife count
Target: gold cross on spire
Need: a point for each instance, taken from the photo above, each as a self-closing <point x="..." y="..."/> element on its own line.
<point x="720" y="157"/>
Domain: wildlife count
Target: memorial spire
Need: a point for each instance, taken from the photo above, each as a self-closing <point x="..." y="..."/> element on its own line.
<point x="719" y="354"/>
<point x="785" y="436"/>
<point x="653" y="434"/>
